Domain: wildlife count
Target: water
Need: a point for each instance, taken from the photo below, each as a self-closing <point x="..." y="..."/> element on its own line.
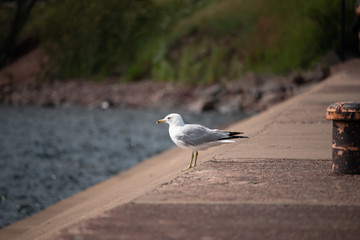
<point x="50" y="154"/>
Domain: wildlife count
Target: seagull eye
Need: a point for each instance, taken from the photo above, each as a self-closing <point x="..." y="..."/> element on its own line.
<point x="168" y="117"/>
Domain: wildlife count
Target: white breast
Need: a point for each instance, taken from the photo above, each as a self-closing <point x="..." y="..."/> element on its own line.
<point x="173" y="130"/>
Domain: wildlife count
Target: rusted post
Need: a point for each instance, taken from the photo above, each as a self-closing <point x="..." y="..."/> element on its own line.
<point x="346" y="136"/>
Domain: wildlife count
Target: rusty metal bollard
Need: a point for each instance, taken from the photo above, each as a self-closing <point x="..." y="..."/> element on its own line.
<point x="346" y="136"/>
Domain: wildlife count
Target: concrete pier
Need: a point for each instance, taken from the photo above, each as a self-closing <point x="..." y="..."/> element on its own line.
<point x="278" y="184"/>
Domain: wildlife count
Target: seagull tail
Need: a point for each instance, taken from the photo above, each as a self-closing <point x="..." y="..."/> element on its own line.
<point x="226" y="141"/>
<point x="233" y="135"/>
<point x="238" y="137"/>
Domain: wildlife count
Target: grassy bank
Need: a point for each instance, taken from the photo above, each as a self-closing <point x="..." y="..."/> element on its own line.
<point x="228" y="38"/>
<point x="185" y="40"/>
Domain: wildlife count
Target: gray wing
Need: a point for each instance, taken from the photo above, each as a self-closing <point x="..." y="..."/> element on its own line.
<point x="194" y="134"/>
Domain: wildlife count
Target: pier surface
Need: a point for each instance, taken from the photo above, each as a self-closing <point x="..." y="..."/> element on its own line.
<point x="278" y="184"/>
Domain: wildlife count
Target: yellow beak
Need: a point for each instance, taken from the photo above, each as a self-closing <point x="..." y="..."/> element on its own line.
<point x="160" y="121"/>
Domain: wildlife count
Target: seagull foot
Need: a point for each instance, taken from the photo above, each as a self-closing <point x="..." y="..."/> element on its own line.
<point x="187" y="168"/>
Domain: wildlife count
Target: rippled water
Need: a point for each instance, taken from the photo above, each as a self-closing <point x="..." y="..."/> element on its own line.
<point x="49" y="154"/>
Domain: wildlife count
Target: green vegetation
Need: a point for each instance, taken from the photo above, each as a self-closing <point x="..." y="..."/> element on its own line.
<point x="191" y="41"/>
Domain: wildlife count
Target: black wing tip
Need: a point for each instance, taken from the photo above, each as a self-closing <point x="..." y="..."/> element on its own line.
<point x="233" y="137"/>
<point x="235" y="133"/>
<point x="239" y="137"/>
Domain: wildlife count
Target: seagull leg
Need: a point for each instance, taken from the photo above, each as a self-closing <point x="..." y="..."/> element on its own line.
<point x="192" y="158"/>
<point x="196" y="156"/>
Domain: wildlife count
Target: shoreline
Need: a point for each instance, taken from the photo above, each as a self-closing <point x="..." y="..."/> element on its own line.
<point x="19" y="85"/>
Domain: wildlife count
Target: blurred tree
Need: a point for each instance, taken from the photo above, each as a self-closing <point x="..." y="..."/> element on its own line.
<point x="23" y="8"/>
<point x="91" y="37"/>
<point x="96" y="38"/>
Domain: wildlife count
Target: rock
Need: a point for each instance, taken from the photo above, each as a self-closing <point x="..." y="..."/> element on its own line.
<point x="316" y="74"/>
<point x="106" y="104"/>
<point x="231" y="105"/>
<point x="202" y="104"/>
<point x="213" y="91"/>
<point x="251" y="80"/>
<point x="298" y="79"/>
<point x="329" y="59"/>
<point x="48" y="104"/>
<point x="250" y="99"/>
<point x="234" y="87"/>
<point x="269" y="99"/>
<point x="272" y="85"/>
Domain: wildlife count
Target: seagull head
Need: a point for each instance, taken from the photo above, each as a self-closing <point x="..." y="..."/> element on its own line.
<point x="172" y="119"/>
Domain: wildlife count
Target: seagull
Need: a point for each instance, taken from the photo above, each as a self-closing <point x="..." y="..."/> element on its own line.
<point x="195" y="136"/>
